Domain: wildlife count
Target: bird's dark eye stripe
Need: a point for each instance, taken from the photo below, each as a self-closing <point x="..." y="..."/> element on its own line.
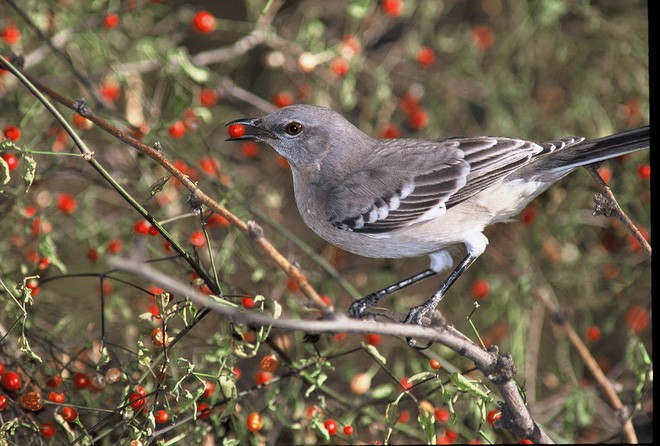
<point x="293" y="128"/>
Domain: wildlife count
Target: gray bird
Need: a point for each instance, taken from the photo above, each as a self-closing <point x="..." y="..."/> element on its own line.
<point x="398" y="198"/>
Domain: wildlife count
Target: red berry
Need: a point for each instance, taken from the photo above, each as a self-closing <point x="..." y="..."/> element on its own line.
<point x="152" y="231"/>
<point x="262" y="377"/>
<point x="442" y="414"/>
<point x="161" y="416"/>
<point x="482" y="36"/>
<point x="409" y="103"/>
<point x="142" y="227"/>
<point x="92" y="254"/>
<point x="80" y="380"/>
<point x="292" y="285"/>
<point x="312" y="411"/>
<point x="3" y="402"/>
<point x="47" y="429"/>
<point x="66" y="203"/>
<point x="425" y="57"/>
<point x="29" y="211"/>
<point x="237" y="372"/>
<point x="282" y="162"/>
<point x="208" y="97"/>
<point x="644" y="171"/>
<point x="451" y="435"/>
<point x="236" y="130"/>
<point x="593" y="333"/>
<point x="177" y="129"/>
<point x="209" y="387"/>
<point x="111" y="20"/>
<point x="11" y="160"/>
<point x="69" y="414"/>
<point x="2" y="368"/>
<point x="349" y="46"/>
<point x="80" y="122"/>
<point x="404" y="383"/>
<point x="110" y="91"/>
<point x="11" y="34"/>
<point x="250" y="149"/>
<point x="137" y="400"/>
<point x="632" y="109"/>
<point x="208" y="165"/>
<point x="348" y="430"/>
<point x="203" y="411"/>
<point x="435" y="364"/>
<point x="339" y="66"/>
<point x="115" y="245"/>
<point x="390" y="131"/>
<point x="493" y="415"/>
<point x="282" y="99"/>
<point x="197" y="239"/>
<point x="254" y="422"/>
<point x="43" y="263"/>
<point x="480" y="289"/>
<point x="12" y="132"/>
<point x="269" y="363"/>
<point x="331" y="426"/>
<point x="529" y="216"/>
<point x="392" y="7"/>
<point x="637" y="319"/>
<point x="247" y="302"/>
<point x="56" y="397"/>
<point x="372" y="339"/>
<point x="31" y="401"/>
<point x="605" y="173"/>
<point x="204" y="22"/>
<point x="11" y="381"/>
<point x="418" y="119"/>
<point x="218" y="220"/>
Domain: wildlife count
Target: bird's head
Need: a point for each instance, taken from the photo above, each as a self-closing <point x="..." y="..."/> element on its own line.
<point x="303" y="134"/>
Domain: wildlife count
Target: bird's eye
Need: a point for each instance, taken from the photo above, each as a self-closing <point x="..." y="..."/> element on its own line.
<point x="293" y="128"/>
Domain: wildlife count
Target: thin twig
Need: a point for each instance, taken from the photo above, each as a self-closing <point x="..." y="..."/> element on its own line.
<point x="613" y="208"/>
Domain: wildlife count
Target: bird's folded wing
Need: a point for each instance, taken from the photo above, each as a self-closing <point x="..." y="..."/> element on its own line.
<point x="409" y="181"/>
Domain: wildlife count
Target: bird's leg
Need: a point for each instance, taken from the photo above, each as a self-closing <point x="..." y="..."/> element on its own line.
<point x="416" y="313"/>
<point x="359" y="306"/>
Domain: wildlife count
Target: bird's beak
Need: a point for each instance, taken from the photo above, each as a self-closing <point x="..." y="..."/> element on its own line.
<point x="253" y="131"/>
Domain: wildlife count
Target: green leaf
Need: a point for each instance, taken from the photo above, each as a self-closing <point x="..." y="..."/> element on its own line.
<point x="392" y="413"/>
<point x="359" y="9"/>
<point x="427" y="421"/>
<point x="373" y="352"/>
<point x="465" y="385"/>
<point x="180" y="59"/>
<point x="30" y="166"/>
<point x="4" y="173"/>
<point x="144" y="356"/>
<point x="228" y="387"/>
<point x="24" y="346"/>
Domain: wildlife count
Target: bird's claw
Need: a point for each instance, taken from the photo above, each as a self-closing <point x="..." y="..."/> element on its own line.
<point x="357" y="309"/>
<point x="415" y="316"/>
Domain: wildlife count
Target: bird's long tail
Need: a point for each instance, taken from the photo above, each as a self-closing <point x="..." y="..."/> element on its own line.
<point x="596" y="150"/>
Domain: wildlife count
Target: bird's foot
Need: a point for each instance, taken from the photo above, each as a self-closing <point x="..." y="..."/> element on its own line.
<point x="359" y="307"/>
<point x="415" y="316"/>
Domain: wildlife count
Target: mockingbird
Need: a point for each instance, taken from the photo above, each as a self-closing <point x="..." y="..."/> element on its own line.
<point x="395" y="198"/>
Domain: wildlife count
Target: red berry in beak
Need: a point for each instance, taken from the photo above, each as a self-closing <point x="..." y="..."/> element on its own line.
<point x="236" y="130"/>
